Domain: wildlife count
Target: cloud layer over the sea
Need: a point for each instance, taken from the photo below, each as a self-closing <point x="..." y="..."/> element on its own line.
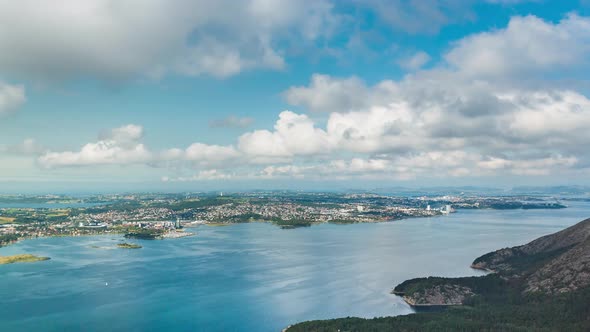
<point x="492" y="103"/>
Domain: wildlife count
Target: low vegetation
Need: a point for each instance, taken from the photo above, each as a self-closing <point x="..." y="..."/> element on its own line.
<point x="287" y="224"/>
<point x="23" y="258"/>
<point x="6" y="239"/>
<point x="144" y="233"/>
<point x="7" y="220"/>
<point x="129" y="246"/>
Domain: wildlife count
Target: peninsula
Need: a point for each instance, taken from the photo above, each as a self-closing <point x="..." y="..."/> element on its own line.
<point x="541" y="286"/>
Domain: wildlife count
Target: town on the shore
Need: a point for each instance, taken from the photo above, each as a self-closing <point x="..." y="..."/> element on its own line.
<point x="165" y="215"/>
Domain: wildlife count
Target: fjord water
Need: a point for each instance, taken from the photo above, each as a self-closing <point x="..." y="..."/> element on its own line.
<point x="251" y="277"/>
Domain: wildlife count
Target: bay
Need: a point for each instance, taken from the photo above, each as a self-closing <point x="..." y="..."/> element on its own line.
<point x="251" y="277"/>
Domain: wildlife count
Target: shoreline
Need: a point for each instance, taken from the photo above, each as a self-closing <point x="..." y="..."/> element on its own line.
<point x="193" y="224"/>
<point x="510" y="296"/>
<point x="165" y="236"/>
<point x="52" y="236"/>
<point x="197" y="223"/>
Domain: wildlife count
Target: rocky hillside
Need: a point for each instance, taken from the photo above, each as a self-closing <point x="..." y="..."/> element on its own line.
<point x="440" y="295"/>
<point x="569" y="271"/>
<point x="434" y="291"/>
<point x="555" y="263"/>
<point x="438" y="291"/>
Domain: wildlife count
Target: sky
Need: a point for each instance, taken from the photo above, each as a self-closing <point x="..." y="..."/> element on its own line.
<point x="156" y="95"/>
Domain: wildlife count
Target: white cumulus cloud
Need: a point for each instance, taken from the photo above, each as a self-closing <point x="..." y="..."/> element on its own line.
<point x="114" y="40"/>
<point x="459" y="118"/>
<point x="294" y="134"/>
<point x="120" y="146"/>
<point x="527" y="46"/>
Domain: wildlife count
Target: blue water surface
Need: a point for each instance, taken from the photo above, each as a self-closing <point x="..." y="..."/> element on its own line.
<point x="251" y="277"/>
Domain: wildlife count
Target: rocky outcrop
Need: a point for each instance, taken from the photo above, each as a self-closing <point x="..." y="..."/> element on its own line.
<point x="565" y="273"/>
<point x="437" y="291"/>
<point x="497" y="261"/>
<point x="440" y="295"/>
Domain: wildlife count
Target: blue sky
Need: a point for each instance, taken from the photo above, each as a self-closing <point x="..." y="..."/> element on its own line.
<point x="205" y="95"/>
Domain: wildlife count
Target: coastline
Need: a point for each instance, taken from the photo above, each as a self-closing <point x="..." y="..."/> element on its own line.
<point x="283" y="225"/>
<point x="523" y="290"/>
<point x="28" y="238"/>
<point x="240" y="237"/>
<point x="195" y="224"/>
<point x="58" y="235"/>
<point x="177" y="235"/>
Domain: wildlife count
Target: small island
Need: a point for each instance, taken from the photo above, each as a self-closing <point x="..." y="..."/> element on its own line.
<point x="126" y="245"/>
<point x="23" y="258"/>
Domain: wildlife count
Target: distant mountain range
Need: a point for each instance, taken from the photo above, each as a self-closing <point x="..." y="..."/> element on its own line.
<point x="477" y="190"/>
<point x="554" y="190"/>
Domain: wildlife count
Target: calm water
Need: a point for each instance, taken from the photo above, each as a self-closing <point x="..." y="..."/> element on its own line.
<point x="251" y="277"/>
